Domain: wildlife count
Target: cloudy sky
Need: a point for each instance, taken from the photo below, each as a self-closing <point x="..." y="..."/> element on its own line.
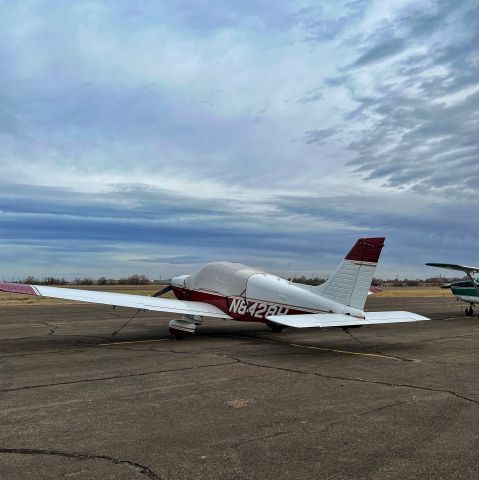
<point x="154" y="136"/>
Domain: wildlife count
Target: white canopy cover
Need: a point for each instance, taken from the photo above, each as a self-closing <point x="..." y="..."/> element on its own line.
<point x="225" y="278"/>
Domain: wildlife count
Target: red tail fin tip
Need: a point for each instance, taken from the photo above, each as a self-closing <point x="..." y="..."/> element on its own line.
<point x="366" y="250"/>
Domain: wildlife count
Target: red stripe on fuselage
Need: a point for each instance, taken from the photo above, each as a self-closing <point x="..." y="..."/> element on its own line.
<point x="224" y="304"/>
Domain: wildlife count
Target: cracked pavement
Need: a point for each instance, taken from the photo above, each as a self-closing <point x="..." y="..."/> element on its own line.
<point x="398" y="401"/>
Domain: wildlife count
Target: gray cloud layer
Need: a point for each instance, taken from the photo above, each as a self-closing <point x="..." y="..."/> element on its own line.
<point x="420" y="123"/>
<point x="148" y="137"/>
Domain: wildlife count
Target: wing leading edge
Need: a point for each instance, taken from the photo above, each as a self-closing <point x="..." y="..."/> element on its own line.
<point x="453" y="266"/>
<point x="167" y="305"/>
<point x="325" y="320"/>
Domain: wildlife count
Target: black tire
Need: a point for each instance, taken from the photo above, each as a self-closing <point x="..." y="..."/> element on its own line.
<point x="275" y="327"/>
<point x="469" y="312"/>
<point x="176" y="335"/>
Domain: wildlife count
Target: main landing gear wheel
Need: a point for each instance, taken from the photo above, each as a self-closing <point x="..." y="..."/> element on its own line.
<point x="184" y="326"/>
<point x="469" y="311"/>
<point x="275" y="327"/>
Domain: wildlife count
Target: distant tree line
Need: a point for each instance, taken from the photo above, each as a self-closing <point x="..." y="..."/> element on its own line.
<point x="136" y="279"/>
<point x="379" y="282"/>
<point x="45" y="281"/>
<point x="419" y="282"/>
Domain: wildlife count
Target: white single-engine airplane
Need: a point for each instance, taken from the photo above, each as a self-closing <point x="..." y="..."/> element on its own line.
<point x="467" y="292"/>
<point x="236" y="292"/>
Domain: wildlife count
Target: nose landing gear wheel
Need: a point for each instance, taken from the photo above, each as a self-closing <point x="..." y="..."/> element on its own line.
<point x="469" y="311"/>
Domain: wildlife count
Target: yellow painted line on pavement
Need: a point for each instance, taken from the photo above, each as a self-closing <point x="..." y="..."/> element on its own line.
<point x="347" y="352"/>
<point x="311" y="347"/>
<point x="297" y="345"/>
<point x="133" y="341"/>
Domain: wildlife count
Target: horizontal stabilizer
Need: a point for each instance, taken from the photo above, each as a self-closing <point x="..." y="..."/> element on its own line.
<point x="325" y="320"/>
<point x="143" y="302"/>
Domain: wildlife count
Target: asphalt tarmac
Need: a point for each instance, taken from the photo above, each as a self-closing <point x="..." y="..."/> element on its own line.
<point x="237" y="401"/>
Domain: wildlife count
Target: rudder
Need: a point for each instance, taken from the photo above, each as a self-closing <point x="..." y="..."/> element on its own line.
<point x="350" y="283"/>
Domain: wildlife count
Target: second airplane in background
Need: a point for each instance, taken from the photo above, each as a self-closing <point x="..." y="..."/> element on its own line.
<point x="465" y="291"/>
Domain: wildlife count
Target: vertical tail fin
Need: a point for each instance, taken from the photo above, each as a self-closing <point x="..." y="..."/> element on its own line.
<point x="350" y="283"/>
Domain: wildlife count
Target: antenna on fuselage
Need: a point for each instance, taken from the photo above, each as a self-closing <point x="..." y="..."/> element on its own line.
<point x="285" y="270"/>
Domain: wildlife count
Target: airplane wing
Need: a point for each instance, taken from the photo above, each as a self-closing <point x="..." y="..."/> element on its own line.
<point x="325" y="320"/>
<point x="159" y="304"/>
<point x="469" y="271"/>
<point x="452" y="266"/>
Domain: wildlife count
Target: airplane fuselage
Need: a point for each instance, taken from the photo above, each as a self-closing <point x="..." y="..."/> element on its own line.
<point x="465" y="291"/>
<point x="264" y="295"/>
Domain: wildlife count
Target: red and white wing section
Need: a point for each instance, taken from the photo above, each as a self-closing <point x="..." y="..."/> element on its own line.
<point x="167" y="305"/>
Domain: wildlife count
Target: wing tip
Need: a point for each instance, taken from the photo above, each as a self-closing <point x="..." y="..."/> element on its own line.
<point x="20" y="288"/>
